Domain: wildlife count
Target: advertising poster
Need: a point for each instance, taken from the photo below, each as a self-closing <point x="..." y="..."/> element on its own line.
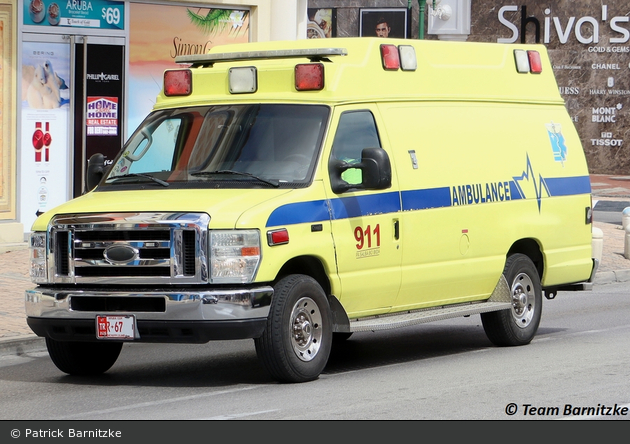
<point x="322" y="23"/>
<point x="102" y="116"/>
<point x="159" y="33"/>
<point x="387" y="22"/>
<point x="95" y="14"/>
<point x="44" y="128"/>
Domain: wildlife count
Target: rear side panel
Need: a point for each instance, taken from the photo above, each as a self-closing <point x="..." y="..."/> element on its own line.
<point x="480" y="177"/>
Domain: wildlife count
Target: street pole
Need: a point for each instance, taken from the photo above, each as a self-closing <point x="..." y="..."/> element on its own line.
<point x="422" y="4"/>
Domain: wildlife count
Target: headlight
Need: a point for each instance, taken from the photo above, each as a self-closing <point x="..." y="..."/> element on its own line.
<point x="234" y="256"/>
<point x="39" y="273"/>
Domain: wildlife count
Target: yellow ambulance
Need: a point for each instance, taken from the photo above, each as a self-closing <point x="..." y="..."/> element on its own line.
<point x="297" y="192"/>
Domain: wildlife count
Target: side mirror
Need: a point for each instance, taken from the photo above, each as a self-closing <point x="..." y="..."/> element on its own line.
<point x="376" y="171"/>
<point x="95" y="171"/>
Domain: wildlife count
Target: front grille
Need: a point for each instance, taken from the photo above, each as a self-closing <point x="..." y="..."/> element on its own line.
<point x="129" y="248"/>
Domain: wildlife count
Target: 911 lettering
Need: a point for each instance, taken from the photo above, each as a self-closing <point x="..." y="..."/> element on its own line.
<point x="364" y="236"/>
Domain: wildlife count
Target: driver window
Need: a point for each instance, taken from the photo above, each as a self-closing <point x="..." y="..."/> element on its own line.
<point x="356" y="131"/>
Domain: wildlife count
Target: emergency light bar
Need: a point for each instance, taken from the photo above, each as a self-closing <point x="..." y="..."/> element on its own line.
<point x="311" y="53"/>
<point x="307" y="76"/>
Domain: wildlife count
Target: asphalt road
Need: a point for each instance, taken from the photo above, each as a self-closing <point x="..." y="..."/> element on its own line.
<point x="610" y="211"/>
<point x="444" y="370"/>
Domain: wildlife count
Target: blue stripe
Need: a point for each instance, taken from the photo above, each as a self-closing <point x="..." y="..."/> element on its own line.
<point x="299" y="213"/>
<point x="568" y="186"/>
<point x="357" y="206"/>
<point x="393" y="202"/>
<point x="423" y="199"/>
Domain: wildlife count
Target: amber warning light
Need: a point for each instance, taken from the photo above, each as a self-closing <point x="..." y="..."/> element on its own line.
<point x="177" y="82"/>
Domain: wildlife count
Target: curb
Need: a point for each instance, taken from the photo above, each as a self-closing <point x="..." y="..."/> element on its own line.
<point x="22" y="346"/>
<point x="611" y="277"/>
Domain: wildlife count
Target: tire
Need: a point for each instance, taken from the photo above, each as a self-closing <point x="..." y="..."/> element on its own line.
<point x="296" y="342"/>
<point x="83" y="358"/>
<point x="341" y="337"/>
<point x="518" y="325"/>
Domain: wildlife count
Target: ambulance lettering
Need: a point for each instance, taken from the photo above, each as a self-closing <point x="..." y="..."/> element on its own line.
<point x="368" y="241"/>
<point x="480" y="193"/>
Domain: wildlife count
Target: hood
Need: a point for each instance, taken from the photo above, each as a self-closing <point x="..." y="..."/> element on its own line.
<point x="224" y="206"/>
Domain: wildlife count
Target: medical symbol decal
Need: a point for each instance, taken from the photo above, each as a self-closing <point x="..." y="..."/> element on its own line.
<point x="554" y="130"/>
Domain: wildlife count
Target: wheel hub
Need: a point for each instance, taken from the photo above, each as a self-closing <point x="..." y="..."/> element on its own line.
<point x="306" y="325"/>
<point x="523" y="298"/>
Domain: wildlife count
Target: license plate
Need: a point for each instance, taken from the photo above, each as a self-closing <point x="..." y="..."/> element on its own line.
<point x="116" y="327"/>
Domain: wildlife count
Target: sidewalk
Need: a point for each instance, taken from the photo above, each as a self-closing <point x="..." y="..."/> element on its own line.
<point x="17" y="338"/>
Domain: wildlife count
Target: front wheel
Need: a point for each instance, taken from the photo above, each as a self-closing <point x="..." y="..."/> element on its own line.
<point x="518" y="325"/>
<point x="83" y="358"/>
<point x="296" y="343"/>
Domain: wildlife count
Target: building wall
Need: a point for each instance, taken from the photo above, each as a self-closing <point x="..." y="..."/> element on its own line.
<point x="10" y="230"/>
<point x="589" y="46"/>
<point x="268" y="20"/>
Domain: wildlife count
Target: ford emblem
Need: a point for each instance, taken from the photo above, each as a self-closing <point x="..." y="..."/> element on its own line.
<point x="120" y="254"/>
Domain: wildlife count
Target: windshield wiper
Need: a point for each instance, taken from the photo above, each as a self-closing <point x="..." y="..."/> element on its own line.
<point x="273" y="183"/>
<point x="146" y="176"/>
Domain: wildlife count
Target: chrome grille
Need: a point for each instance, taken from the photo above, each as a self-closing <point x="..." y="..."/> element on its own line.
<point x="129" y="248"/>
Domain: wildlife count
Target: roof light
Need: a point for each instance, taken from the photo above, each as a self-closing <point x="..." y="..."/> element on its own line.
<point x="243" y="80"/>
<point x="309" y="77"/>
<point x="535" y="63"/>
<point x="522" y="61"/>
<point x="278" y="237"/>
<point x="312" y="53"/>
<point x="390" y="57"/>
<point x="408" y="61"/>
<point x="177" y="82"/>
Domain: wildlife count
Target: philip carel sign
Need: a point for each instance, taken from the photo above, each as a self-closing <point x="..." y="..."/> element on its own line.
<point x="99" y="14"/>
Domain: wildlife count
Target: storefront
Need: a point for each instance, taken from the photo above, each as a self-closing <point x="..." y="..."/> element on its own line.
<point x="79" y="76"/>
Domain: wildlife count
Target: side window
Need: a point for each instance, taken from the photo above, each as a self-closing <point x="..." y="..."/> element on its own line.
<point x="356" y="131"/>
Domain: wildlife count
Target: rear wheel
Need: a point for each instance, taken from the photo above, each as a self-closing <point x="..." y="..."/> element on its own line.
<point x="519" y="324"/>
<point x="83" y="358"/>
<point x="296" y="343"/>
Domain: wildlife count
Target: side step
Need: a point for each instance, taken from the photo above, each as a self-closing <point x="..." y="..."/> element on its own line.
<point x="408" y="318"/>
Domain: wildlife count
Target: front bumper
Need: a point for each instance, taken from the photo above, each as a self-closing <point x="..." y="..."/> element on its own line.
<point x="162" y="316"/>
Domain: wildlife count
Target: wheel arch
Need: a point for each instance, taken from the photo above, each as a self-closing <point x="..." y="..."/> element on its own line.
<point x="530" y="248"/>
<point x="314" y="267"/>
<point x="308" y="265"/>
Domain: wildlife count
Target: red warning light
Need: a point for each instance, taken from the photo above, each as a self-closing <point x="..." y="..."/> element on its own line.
<point x="390" y="57"/>
<point x="535" y="64"/>
<point x="309" y="77"/>
<point x="177" y="82"/>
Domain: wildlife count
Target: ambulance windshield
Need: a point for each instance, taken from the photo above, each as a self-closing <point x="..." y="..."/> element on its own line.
<point x="255" y="145"/>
